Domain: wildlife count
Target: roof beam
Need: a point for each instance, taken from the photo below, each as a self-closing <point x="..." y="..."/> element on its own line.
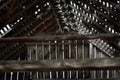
<point x="61" y="65"/>
<point x="58" y="37"/>
<point x="79" y="79"/>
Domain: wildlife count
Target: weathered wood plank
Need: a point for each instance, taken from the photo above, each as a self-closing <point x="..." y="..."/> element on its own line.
<point x="58" y="37"/>
<point x="60" y="65"/>
<point x="79" y="79"/>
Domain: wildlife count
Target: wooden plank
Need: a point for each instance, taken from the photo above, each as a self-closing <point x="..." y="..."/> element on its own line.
<point x="79" y="79"/>
<point x="60" y="65"/>
<point x="58" y="37"/>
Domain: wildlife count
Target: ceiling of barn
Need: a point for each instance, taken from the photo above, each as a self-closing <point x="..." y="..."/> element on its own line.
<point x="25" y="18"/>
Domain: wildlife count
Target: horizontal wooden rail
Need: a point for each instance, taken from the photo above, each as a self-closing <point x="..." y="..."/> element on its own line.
<point x="58" y="37"/>
<point x="60" y="65"/>
<point x="80" y="79"/>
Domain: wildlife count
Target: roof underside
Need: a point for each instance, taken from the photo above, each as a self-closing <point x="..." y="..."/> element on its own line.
<point x="25" y="18"/>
